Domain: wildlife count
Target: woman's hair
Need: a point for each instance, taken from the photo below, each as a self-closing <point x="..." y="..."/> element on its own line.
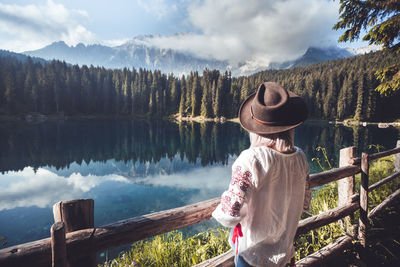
<point x="283" y="141"/>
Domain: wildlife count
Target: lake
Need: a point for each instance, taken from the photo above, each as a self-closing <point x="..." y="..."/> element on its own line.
<point x="132" y="168"/>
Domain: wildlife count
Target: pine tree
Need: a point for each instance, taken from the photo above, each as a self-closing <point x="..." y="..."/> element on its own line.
<point x="196" y="94"/>
<point x="183" y="96"/>
<point x="205" y="110"/>
<point x="381" y="20"/>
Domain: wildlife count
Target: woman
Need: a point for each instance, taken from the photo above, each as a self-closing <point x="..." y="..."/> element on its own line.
<point x="269" y="186"/>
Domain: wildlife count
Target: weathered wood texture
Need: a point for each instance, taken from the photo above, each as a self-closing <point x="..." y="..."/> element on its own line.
<point x="384" y="181"/>
<point x="384" y="204"/>
<point x="58" y="245"/>
<point x="76" y="215"/>
<point x="325" y="177"/>
<point x="328" y="216"/>
<point x="389" y="152"/>
<point x="384" y="153"/>
<point x="223" y="260"/>
<point x="326" y="253"/>
<point x="346" y="185"/>
<point x="84" y="241"/>
<point x="363" y="220"/>
<point x="397" y="160"/>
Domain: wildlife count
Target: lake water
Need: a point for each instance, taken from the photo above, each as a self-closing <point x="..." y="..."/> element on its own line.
<point x="132" y="168"/>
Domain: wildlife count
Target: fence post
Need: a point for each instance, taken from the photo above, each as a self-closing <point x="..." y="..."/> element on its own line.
<point x="76" y="215"/>
<point x="397" y="161"/>
<point x="58" y="246"/>
<point x="363" y="221"/>
<point x="346" y="185"/>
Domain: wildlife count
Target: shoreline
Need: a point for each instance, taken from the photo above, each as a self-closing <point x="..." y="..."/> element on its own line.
<point x="365" y="123"/>
<point x="347" y="123"/>
<point x="39" y="118"/>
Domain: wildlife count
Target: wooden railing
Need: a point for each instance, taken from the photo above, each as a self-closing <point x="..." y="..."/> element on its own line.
<point x="75" y="241"/>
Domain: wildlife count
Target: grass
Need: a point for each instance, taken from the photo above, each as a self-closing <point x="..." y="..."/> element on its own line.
<point x="173" y="249"/>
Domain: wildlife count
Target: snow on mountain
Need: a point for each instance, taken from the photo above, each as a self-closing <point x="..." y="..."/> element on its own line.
<point x="138" y="53"/>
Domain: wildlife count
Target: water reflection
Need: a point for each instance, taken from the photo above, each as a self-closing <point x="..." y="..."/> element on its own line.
<point x="43" y="188"/>
<point x="132" y="168"/>
<point x="27" y="196"/>
<point x="59" y="144"/>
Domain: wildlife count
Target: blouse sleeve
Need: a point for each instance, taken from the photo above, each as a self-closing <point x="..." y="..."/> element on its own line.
<point x="232" y="208"/>
<point x="307" y="195"/>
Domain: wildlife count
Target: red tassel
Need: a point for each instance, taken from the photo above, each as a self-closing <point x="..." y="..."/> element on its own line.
<point x="237" y="232"/>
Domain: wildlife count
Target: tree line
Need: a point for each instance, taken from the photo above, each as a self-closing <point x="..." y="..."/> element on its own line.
<point x="134" y="144"/>
<point x="59" y="144"/>
<point x="336" y="89"/>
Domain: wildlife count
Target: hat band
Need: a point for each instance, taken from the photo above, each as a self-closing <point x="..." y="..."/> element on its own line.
<point x="260" y="121"/>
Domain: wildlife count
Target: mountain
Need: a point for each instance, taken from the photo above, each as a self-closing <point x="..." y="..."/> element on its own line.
<point x="314" y="55"/>
<point x="20" y="57"/>
<point x="139" y="54"/>
<point x="132" y="53"/>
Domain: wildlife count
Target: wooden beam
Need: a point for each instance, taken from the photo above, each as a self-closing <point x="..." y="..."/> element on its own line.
<point x="384" y="181"/>
<point x="223" y="260"/>
<point x="326" y="253"/>
<point x="363" y="220"/>
<point x="357" y="161"/>
<point x="325" y="177"/>
<point x="384" y="153"/>
<point x="58" y="246"/>
<point x="76" y="215"/>
<point x="397" y="160"/>
<point x="384" y="204"/>
<point x="38" y="253"/>
<point x="346" y="185"/>
<point x="328" y="216"/>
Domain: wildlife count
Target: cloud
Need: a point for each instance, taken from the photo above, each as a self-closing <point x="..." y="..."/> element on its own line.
<point x="256" y="32"/>
<point x="158" y="8"/>
<point x="208" y="182"/>
<point x="44" y="188"/>
<point x="34" y="26"/>
<point x="115" y="42"/>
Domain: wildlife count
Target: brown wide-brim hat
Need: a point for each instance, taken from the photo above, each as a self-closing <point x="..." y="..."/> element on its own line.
<point x="272" y="109"/>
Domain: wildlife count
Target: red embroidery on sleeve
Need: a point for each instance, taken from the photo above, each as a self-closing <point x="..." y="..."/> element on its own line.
<point x="231" y="201"/>
<point x="243" y="179"/>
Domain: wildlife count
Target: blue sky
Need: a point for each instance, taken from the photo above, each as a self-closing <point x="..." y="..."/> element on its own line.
<point x="252" y="31"/>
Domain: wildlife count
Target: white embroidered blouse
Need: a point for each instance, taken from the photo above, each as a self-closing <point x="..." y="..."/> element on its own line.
<point x="267" y="194"/>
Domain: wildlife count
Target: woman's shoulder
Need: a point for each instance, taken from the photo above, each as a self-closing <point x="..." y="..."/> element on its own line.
<point x="252" y="155"/>
<point x="247" y="155"/>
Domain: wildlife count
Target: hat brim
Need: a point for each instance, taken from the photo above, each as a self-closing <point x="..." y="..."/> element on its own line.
<point x="298" y="109"/>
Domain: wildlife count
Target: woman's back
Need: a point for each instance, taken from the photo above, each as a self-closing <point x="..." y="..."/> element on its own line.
<point x="276" y="204"/>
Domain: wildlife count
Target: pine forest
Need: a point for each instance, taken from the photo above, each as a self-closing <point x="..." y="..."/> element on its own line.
<point x="339" y="89"/>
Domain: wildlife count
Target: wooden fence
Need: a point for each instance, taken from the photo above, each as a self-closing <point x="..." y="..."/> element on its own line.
<point x="75" y="241"/>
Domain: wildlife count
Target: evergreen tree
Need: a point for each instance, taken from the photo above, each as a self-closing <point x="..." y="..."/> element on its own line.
<point x="206" y="110"/>
<point x="382" y="21"/>
<point x="196" y="95"/>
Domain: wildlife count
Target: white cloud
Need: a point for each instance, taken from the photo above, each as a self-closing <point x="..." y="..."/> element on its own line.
<point x="44" y="188"/>
<point x="158" y="8"/>
<point x="365" y="49"/>
<point x="208" y="182"/>
<point x="255" y="31"/>
<point x="115" y="42"/>
<point x="27" y="27"/>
